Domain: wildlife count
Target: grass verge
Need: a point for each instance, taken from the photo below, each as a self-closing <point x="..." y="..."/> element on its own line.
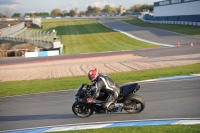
<point x="13" y="88"/>
<point x="85" y="36"/>
<point x="183" y="29"/>
<point x="144" y="129"/>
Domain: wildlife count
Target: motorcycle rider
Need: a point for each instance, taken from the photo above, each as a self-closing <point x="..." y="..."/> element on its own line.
<point x="103" y="82"/>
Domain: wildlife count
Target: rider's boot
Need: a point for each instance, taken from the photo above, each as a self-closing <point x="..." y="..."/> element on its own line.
<point x="119" y="106"/>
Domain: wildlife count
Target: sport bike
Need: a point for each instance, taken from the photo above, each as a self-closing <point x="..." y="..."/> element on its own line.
<point x="131" y="102"/>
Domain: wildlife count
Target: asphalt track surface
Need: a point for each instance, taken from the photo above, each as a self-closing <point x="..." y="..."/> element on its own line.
<point x="164" y="99"/>
<point x="157" y="52"/>
<point x="151" y="34"/>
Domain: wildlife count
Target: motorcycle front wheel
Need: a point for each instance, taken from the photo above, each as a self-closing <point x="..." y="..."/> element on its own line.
<point x="81" y="110"/>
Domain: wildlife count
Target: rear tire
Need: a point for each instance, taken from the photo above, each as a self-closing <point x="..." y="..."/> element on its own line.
<point x="82" y="110"/>
<point x="136" y="102"/>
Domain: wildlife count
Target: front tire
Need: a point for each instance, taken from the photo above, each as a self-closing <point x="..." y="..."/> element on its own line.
<point x="82" y="110"/>
<point x="134" y="104"/>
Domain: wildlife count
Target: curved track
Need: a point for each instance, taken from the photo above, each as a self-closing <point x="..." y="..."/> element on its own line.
<point x="151" y="34"/>
<point x="164" y="99"/>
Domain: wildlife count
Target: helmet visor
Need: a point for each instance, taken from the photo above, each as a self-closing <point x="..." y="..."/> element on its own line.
<point x="91" y="77"/>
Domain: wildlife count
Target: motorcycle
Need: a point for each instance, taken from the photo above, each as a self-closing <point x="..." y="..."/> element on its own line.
<point x="131" y="102"/>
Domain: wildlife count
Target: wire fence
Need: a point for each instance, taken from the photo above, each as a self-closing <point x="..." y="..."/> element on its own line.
<point x="19" y="33"/>
<point x="41" y="38"/>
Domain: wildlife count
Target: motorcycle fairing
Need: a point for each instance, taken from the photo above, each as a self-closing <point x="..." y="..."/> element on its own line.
<point x="128" y="88"/>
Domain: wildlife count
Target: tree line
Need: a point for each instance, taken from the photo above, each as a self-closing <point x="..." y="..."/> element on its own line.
<point x="96" y="10"/>
<point x="91" y="10"/>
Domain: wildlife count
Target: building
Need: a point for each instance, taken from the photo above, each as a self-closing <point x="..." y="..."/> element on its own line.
<point x="175" y="10"/>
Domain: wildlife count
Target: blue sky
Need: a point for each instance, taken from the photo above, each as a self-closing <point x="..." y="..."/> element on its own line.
<point x="28" y="6"/>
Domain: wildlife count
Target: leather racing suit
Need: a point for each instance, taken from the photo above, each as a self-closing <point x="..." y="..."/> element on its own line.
<point x="106" y="84"/>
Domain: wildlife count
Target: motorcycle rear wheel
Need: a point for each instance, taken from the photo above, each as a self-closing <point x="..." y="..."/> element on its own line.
<point x="81" y="110"/>
<point x="135" y="102"/>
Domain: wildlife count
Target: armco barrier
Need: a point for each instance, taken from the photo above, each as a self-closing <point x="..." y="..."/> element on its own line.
<point x="42" y="53"/>
<point x="171" y="22"/>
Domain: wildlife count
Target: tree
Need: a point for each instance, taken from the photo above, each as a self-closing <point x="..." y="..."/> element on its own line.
<point x="96" y="10"/>
<point x="136" y="8"/>
<point x="139" y="8"/>
<point x="55" y="12"/>
<point x="37" y="14"/>
<point x="90" y="10"/>
<point x="16" y="15"/>
<point x="150" y="7"/>
<point x="45" y="14"/>
<point x="73" y="12"/>
<point x="118" y="10"/>
<point x="107" y="9"/>
<point x="28" y="15"/>
<point x="114" y="10"/>
<point x="64" y="12"/>
<point x="82" y="13"/>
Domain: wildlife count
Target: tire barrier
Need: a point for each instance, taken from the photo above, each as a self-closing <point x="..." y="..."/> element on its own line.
<point x="14" y="53"/>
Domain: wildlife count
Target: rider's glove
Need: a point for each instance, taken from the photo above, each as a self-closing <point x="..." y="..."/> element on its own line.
<point x="89" y="99"/>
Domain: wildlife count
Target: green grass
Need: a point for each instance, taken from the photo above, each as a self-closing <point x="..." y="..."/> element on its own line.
<point x="13" y="88"/>
<point x="143" y="129"/>
<point x="84" y="36"/>
<point x="183" y="29"/>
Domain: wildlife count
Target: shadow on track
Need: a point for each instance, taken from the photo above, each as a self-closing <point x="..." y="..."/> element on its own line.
<point x="36" y="117"/>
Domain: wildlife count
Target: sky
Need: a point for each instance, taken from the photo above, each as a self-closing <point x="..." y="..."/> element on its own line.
<point x="31" y="6"/>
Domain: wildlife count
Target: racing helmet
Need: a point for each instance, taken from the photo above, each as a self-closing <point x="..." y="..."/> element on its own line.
<point x="93" y="74"/>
